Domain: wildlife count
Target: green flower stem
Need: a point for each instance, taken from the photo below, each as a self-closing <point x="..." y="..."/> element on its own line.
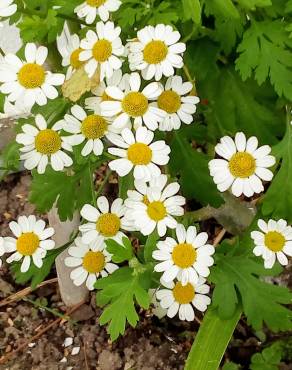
<point x="211" y="341"/>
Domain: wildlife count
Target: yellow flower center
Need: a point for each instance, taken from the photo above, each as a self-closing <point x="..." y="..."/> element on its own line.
<point x="275" y="241"/>
<point x="93" y="262"/>
<point x="139" y="154"/>
<point x="169" y="101"/>
<point x="48" y="141"/>
<point x="242" y="164"/>
<point x="31" y="75"/>
<point x="155" y="52"/>
<point x="184" y="255"/>
<point x="108" y="224"/>
<point x="27" y="243"/>
<point x="93" y="126"/>
<point x="102" y="50"/>
<point x="74" y="59"/>
<point x="95" y="3"/>
<point x="183" y="294"/>
<point x="156" y="210"/>
<point x="135" y="104"/>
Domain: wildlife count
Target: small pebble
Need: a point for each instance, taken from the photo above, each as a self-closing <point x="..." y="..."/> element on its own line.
<point x="68" y="342"/>
<point x="75" y="351"/>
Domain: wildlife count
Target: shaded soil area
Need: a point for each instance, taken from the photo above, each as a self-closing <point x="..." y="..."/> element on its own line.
<point x="80" y="343"/>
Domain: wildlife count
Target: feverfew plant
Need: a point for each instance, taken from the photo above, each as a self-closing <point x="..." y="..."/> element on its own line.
<point x="179" y="106"/>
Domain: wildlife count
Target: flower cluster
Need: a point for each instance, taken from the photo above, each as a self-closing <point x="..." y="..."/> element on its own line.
<point x="124" y="118"/>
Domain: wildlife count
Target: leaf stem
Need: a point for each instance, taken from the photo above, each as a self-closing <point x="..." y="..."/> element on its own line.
<point x="93" y="197"/>
<point x="189" y="77"/>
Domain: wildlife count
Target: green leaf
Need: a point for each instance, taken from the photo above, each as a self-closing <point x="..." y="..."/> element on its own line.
<point x="211" y="341"/>
<point x="237" y="280"/>
<point x="54" y="186"/>
<point x="252" y="4"/>
<point x="150" y="246"/>
<point x="120" y="291"/>
<point x="36" y="275"/>
<point x="265" y="51"/>
<point x="269" y="359"/>
<point x="223" y="8"/>
<point x="240" y="106"/>
<point x="192" y="166"/>
<point x="230" y="366"/>
<point x="125" y="183"/>
<point x="277" y="201"/>
<point x="228" y="23"/>
<point x="69" y="192"/>
<point x="120" y="252"/>
<point x="36" y="28"/>
<point x="10" y="157"/>
<point x="192" y="10"/>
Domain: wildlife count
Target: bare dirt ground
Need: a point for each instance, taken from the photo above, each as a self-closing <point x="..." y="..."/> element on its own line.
<point x="153" y="345"/>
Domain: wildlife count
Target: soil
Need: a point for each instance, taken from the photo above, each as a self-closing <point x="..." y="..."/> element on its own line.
<point x="153" y="345"/>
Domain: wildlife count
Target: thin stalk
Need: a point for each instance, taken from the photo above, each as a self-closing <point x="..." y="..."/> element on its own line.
<point x="211" y="341"/>
<point x="104" y="181"/>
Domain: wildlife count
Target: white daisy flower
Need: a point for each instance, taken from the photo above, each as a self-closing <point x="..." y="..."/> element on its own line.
<point x="117" y="79"/>
<point x="29" y="81"/>
<point x="177" y="102"/>
<point x="92" y="8"/>
<point x="139" y="153"/>
<point x="7" y="8"/>
<point x="134" y="104"/>
<point x="104" y="223"/>
<point x="31" y="242"/>
<point x="42" y="144"/>
<point x="274" y="241"/>
<point x="101" y="50"/>
<point x="89" y="128"/>
<point x="90" y="264"/>
<point x="156" y="52"/>
<point x="15" y="111"/>
<point x="186" y="258"/>
<point x="69" y="47"/>
<point x="182" y="298"/>
<point x="244" y="165"/>
<point x="154" y="205"/>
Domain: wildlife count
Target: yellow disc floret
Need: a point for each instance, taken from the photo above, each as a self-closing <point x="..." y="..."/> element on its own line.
<point x="156" y="211"/>
<point x="242" y="164"/>
<point x="48" y="141"/>
<point x="31" y="75"/>
<point x="275" y="241"/>
<point x="139" y="154"/>
<point x="94" y="126"/>
<point x="27" y="244"/>
<point x="108" y="224"/>
<point x="102" y="50"/>
<point x="95" y="3"/>
<point x="155" y="52"/>
<point x="74" y="59"/>
<point x="184" y="255"/>
<point x="169" y="101"/>
<point x="135" y="104"/>
<point x="93" y="262"/>
<point x="183" y="294"/>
